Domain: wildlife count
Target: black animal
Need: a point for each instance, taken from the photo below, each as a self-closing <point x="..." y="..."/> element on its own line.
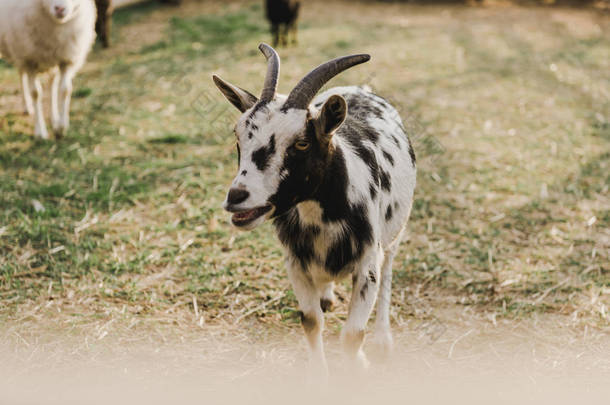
<point x="283" y="15"/>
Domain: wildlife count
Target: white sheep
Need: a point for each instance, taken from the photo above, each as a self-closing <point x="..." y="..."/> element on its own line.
<point x="38" y="36"/>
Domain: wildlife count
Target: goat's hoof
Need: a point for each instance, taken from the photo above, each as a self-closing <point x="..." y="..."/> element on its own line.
<point x="382" y="346"/>
<point x="363" y="362"/>
<point x="359" y="363"/>
<point x="352" y="345"/>
<point x="317" y="372"/>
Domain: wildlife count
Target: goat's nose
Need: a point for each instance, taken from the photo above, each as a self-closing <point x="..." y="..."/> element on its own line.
<point x="237" y="195"/>
<point x="59" y="9"/>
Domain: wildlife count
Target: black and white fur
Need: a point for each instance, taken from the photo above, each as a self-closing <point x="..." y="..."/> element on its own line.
<point x="337" y="180"/>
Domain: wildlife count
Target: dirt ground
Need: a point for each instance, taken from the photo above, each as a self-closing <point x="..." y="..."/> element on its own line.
<point x="469" y="360"/>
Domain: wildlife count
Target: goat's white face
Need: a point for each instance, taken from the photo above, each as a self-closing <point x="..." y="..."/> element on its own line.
<point x="62" y="10"/>
<point x="265" y="137"/>
<point x="283" y="144"/>
<point x="283" y="157"/>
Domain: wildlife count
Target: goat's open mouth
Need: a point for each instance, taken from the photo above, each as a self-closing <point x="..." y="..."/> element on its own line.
<point x="245" y="217"/>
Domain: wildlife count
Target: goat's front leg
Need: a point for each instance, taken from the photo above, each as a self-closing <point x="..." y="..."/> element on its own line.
<point x="66" y="74"/>
<point x="364" y="293"/>
<point x="35" y="88"/>
<point x="312" y="317"/>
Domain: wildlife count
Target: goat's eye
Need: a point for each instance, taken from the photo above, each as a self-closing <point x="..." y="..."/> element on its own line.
<point x="301" y="145"/>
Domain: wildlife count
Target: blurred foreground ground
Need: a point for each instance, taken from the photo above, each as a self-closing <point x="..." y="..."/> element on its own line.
<point x="472" y="362"/>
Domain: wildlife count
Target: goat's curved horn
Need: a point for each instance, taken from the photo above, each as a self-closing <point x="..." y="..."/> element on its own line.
<point x="308" y="87"/>
<point x="273" y="72"/>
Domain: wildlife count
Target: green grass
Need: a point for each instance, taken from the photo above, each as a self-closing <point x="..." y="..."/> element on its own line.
<point x="512" y="155"/>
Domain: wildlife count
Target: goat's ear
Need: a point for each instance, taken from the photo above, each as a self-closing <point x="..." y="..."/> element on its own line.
<point x="239" y="97"/>
<point x="332" y="115"/>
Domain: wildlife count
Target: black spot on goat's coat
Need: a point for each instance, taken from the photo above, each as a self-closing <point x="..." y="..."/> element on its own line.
<point x="388" y="157"/>
<point x="299" y="238"/>
<point x="348" y="249"/>
<point x="384" y="179"/>
<point x="388" y="213"/>
<point x="364" y="106"/>
<point x="370" y="134"/>
<point x="396" y="141"/>
<point x="257" y="107"/>
<point x="368" y="156"/>
<point x="261" y="156"/>
<point x="355" y="138"/>
<point x="373" y="191"/>
<point x="412" y="153"/>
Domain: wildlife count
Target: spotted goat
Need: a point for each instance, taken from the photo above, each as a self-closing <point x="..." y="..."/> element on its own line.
<point x="336" y="174"/>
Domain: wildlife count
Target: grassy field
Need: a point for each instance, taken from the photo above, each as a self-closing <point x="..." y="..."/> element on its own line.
<point x="508" y="108"/>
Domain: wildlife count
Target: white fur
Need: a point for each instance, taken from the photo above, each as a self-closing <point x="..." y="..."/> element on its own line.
<point x="38" y="36"/>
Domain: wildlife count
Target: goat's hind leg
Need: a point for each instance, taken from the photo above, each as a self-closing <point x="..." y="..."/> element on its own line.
<point x="382" y="338"/>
